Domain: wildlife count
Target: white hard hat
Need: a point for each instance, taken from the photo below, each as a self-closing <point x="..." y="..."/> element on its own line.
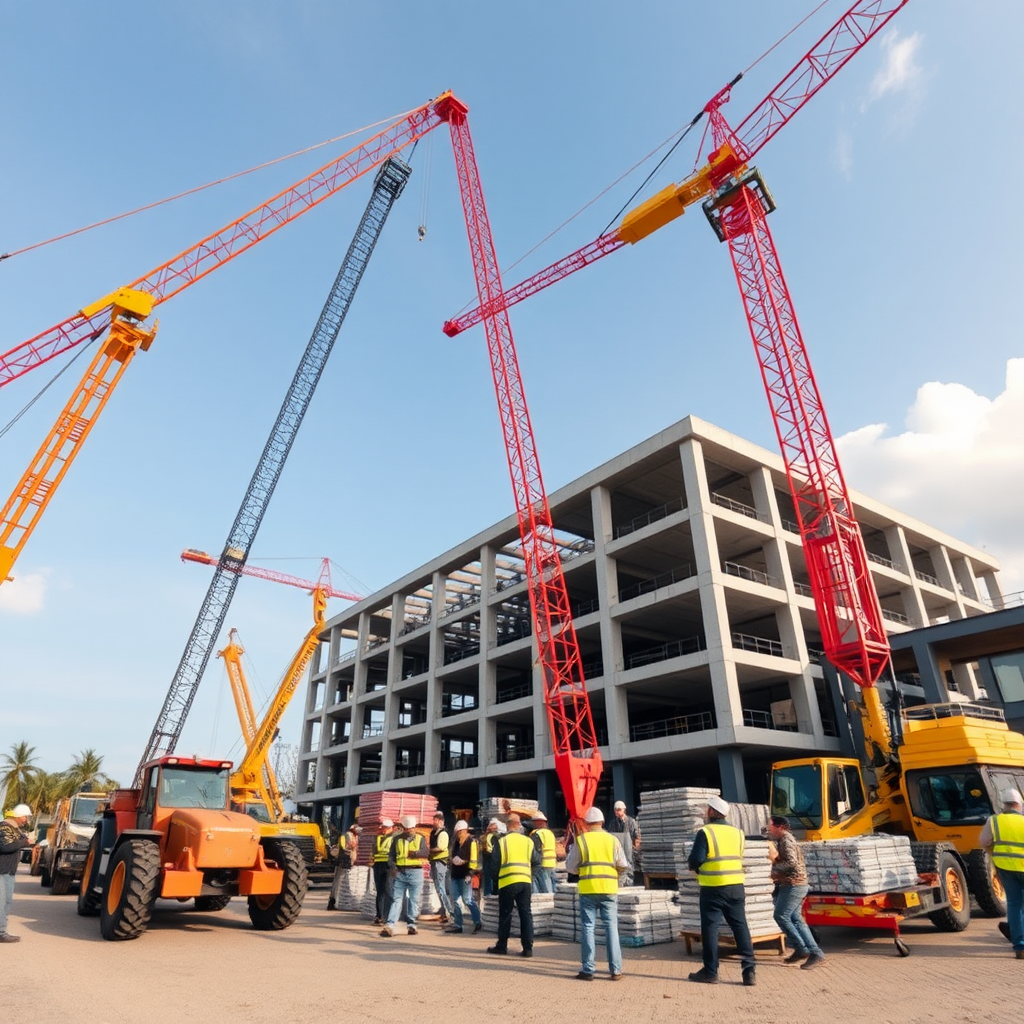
<point x="387" y="823"/>
<point x="593" y="816"/>
<point x="24" y="811"/>
<point x="716" y="803"/>
<point x="408" y="821"/>
<point x="1007" y="796"/>
<point x="502" y="828"/>
<point x="618" y="804"/>
<point x="461" y="826"/>
<point x="493" y="821"/>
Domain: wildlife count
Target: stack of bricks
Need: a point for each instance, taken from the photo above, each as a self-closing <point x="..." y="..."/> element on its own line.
<point x="542" y="906"/>
<point x="865" y="864"/>
<point x="645" y="917"/>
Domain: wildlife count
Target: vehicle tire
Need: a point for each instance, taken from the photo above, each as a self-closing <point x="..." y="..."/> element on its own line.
<point x="88" y="900"/>
<point x="211" y="904"/>
<point x="36" y="863"/>
<point x="61" y="884"/>
<point x="130" y="890"/>
<point x="985" y="885"/>
<point x="45" y="879"/>
<point x="277" y="911"/>
<point x="957" y="916"/>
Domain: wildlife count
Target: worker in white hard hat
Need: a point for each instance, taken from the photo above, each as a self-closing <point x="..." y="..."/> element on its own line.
<point x="345" y="857"/>
<point x="627" y="831"/>
<point x="599" y="860"/>
<point x="1003" y="837"/>
<point x="440" y="854"/>
<point x="717" y="859"/>
<point x="381" y="872"/>
<point x="465" y="866"/>
<point x="406" y="859"/>
<point x="513" y="856"/>
<point x="12" y="841"/>
<point x="489" y="880"/>
<point x="544" y="838"/>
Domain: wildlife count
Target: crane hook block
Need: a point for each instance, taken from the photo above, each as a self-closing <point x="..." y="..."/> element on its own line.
<point x="136" y="304"/>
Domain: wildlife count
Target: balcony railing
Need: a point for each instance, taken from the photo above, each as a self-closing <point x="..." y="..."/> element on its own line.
<point x="456" y="762"/>
<point x="682" y="572"/>
<point x="368" y="775"/>
<point x="661" y="512"/>
<point x="453" y="654"/>
<point x="815" y="655"/>
<point x="882" y="560"/>
<point x="509" y="581"/>
<point x="593" y="669"/>
<point x="585" y="608"/>
<point x="414" y="622"/>
<point x="583" y="546"/>
<point x="758" y="644"/>
<point x="507" y="693"/>
<point x="452" y="707"/>
<point x="347" y="656"/>
<point x="738" y="506"/>
<point x="512" y="630"/>
<point x="927" y="577"/>
<point x="744" y="572"/>
<point x="462" y="602"/>
<point x="372" y="730"/>
<point x="764" y="720"/>
<point x="673" y="649"/>
<point x="408" y="771"/>
<point x="803" y="589"/>
<point x="896" y="616"/>
<point x="697" y="722"/>
<point x="505" y="754"/>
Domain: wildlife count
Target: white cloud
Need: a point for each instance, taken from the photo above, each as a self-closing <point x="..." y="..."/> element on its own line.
<point x="900" y="71"/>
<point x="843" y="153"/>
<point x="959" y="465"/>
<point x="24" y="595"/>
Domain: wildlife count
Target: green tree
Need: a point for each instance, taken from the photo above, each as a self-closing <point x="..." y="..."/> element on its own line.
<point x="45" y="790"/>
<point x="16" y="773"/>
<point x="85" y="772"/>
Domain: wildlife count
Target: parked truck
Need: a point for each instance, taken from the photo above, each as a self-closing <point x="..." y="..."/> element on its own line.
<point x="67" y="840"/>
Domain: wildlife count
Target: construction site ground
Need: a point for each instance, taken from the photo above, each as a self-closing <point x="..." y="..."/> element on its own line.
<point x="333" y="965"/>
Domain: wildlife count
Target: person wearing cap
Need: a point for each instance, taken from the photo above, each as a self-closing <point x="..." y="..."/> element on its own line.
<point x="465" y="863"/>
<point x="406" y="858"/>
<point x="514" y="856"/>
<point x="544" y="874"/>
<point x="348" y="845"/>
<point x="599" y="860"/>
<point x="381" y="872"/>
<point x="1003" y="837"/>
<point x="12" y="841"/>
<point x="439" y="854"/>
<point x="489" y="881"/>
<point x="717" y="858"/>
<point x="789" y="873"/>
<point x="626" y="830"/>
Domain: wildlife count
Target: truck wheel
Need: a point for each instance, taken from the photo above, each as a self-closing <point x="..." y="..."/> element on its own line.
<point x="957" y="916"/>
<point x="88" y="899"/>
<point x="61" y="884"/>
<point x="130" y="890"/>
<point x="277" y="911"/>
<point x="211" y="904"/>
<point x="985" y="885"/>
<point x="44" y="871"/>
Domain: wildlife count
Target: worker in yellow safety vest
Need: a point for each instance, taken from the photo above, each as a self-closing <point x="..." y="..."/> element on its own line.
<point x="717" y="858"/>
<point x="439" y="842"/>
<point x="348" y="847"/>
<point x="514" y="856"/>
<point x="544" y="876"/>
<point x="598" y="859"/>
<point x="381" y="874"/>
<point x="406" y="859"/>
<point x="465" y="862"/>
<point x="1003" y="837"/>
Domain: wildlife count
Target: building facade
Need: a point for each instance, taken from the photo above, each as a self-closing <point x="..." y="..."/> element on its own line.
<point x="696" y="627"/>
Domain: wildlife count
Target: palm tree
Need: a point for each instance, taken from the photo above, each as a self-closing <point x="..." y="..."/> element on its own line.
<point x="18" y="769"/>
<point x="45" y="790"/>
<point x="85" y="774"/>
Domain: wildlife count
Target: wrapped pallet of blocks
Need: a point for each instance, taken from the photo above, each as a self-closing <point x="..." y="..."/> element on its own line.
<point x="542" y="906"/>
<point x="860" y="865"/>
<point x="374" y="807"/>
<point x="354" y="884"/>
<point x="645" y="917"/>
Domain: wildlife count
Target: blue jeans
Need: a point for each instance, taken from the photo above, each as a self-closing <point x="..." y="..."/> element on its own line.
<point x="1013" y="886"/>
<point x="6" y="897"/>
<point x="789" y="916"/>
<point x="607" y="906"/>
<point x="727" y="903"/>
<point x="408" y="882"/>
<point x="462" y="889"/>
<point x="439" y="876"/>
<point x="543" y="879"/>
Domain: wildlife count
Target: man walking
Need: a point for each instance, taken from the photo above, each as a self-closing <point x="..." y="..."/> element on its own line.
<point x="381" y="873"/>
<point x="789" y="873"/>
<point x="439" y="853"/>
<point x="12" y="841"/>
<point x="717" y="858"/>
<point x="626" y="830"/>
<point x="406" y="858"/>
<point x="599" y="860"/>
<point x="1003" y="836"/>
<point x="514" y="856"/>
<point x="544" y="876"/>
<point x="465" y="864"/>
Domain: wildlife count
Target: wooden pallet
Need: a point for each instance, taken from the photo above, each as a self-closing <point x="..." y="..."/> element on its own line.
<point x="776" y="942"/>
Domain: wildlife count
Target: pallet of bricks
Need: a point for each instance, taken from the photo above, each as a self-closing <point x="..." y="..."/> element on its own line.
<point x="646" y="917"/>
<point x="373" y="808"/>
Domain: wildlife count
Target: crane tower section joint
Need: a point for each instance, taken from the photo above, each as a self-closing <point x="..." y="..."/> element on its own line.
<point x="730" y="193"/>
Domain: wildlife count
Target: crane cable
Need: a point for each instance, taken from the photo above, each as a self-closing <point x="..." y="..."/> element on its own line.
<point x="421" y="230"/>
<point x="200" y="188"/>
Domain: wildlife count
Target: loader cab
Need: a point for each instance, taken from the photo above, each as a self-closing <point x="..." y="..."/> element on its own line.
<point x="823" y="798"/>
<point x="173" y="783"/>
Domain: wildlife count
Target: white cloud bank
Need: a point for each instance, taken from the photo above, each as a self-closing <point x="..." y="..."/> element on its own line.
<point x="24" y="595"/>
<point x="900" y="71"/>
<point x="959" y="466"/>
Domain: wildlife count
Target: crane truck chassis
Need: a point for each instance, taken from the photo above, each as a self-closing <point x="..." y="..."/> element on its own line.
<point x="176" y="838"/>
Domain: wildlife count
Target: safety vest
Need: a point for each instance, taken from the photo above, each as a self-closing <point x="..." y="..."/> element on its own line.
<point x="404" y="848"/>
<point x="516" y="853"/>
<point x="598" y="874"/>
<point x="724" y="865"/>
<point x="382" y="847"/>
<point x="547" y="846"/>
<point x="1008" y="844"/>
<point x="435" y="835"/>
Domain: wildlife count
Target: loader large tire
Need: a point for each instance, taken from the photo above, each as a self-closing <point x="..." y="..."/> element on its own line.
<point x="88" y="900"/>
<point x="985" y="885"/>
<point x="130" y="890"/>
<point x="957" y="916"/>
<point x="272" y="913"/>
<point x="211" y="904"/>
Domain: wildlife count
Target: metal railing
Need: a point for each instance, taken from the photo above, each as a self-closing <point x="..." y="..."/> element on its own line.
<point x="895" y="616"/>
<point x="738" y="506"/>
<point x="408" y="771"/>
<point x="509" y="581"/>
<point x="763" y="720"/>
<point x="655" y="514"/>
<point x="744" y="572"/>
<point x="933" y="712"/>
<point x="583" y="546"/>
<point x="815" y="655"/>
<point x="347" y="656"/>
<point x="882" y="560"/>
<point x="450" y="708"/>
<point x="791" y="525"/>
<point x="758" y="645"/>
<point x="593" y="669"/>
<point x="414" y="622"/>
<point x="456" y="762"/>
<point x="453" y="654"/>
<point x="682" y="572"/>
<point x="461" y="603"/>
<point x="504" y="695"/>
<point x="368" y="775"/>
<point x="512" y="630"/>
<point x="673" y="649"/>
<point x="927" y="577"/>
<point x="697" y="722"/>
<point x="372" y="730"/>
<point x="505" y="754"/>
<point x="585" y="608"/>
<point x="803" y="589"/>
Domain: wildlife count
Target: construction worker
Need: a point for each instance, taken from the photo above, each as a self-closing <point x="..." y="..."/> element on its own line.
<point x="544" y="875"/>
<point x="465" y="864"/>
<point x="439" y="854"/>
<point x="717" y="859"/>
<point x="489" y="881"/>
<point x="381" y="875"/>
<point x="514" y="856"/>
<point x="406" y="859"/>
<point x="1003" y="837"/>
<point x="627" y="831"/>
<point x="12" y="841"/>
<point x="599" y="860"/>
<point x="348" y="844"/>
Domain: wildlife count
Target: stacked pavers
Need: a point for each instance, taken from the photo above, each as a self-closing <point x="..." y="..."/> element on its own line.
<point x="542" y="905"/>
<point x="861" y="865"/>
<point x="645" y="917"/>
<point x="354" y="884"/>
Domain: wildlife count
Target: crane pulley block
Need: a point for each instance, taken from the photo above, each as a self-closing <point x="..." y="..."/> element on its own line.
<point x="729" y="194"/>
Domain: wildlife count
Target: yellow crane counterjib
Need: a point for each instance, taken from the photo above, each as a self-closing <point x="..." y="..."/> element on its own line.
<point x="135" y="303"/>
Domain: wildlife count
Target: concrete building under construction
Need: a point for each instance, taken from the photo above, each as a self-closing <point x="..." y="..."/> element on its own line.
<point x="696" y="628"/>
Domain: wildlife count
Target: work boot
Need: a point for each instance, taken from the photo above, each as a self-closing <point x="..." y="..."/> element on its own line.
<point x="412" y="929"/>
<point x="377" y="920"/>
<point x="749" y="978"/>
<point x="1004" y="930"/>
<point x="1018" y="953"/>
<point x="386" y="932"/>
<point x="704" y="976"/>
<point x="452" y="930"/>
<point x="500" y="950"/>
<point x="527" y="953"/>
<point x="812" y="961"/>
<point x="7" y="937"/>
<point x="796" y="958"/>
<point x="477" y="927"/>
<point x="330" y="904"/>
<point x="584" y="976"/>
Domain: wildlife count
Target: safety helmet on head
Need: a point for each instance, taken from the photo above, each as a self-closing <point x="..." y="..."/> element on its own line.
<point x="716" y="803"/>
<point x="502" y="828"/>
<point x="461" y="826"/>
<point x="1007" y="796"/>
<point x="594" y="816"/>
<point x="387" y="823"/>
<point x="408" y="821"/>
<point x="24" y="811"/>
<point x="619" y="805"/>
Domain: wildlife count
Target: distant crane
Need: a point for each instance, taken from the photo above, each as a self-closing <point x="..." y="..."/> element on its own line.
<point x="323" y="583"/>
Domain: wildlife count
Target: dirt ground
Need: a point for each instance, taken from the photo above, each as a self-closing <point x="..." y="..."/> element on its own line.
<point x="333" y="966"/>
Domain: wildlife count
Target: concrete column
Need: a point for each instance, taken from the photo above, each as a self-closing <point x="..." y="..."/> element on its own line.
<point x="900" y="551"/>
<point x="623" y="785"/>
<point x="547" y="787"/>
<point x="730" y="766"/>
<point x="995" y="593"/>
<point x="933" y="680"/>
<point x="607" y="583"/>
<point x="944" y="571"/>
<point x="487" y="788"/>
<point x="963" y="570"/>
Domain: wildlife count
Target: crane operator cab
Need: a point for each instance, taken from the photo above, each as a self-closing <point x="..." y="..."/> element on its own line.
<point x="823" y="799"/>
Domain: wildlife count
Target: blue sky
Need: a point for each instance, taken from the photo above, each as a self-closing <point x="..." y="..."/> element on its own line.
<point x="898" y="227"/>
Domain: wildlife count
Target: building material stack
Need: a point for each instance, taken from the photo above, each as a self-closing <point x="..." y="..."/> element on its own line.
<point x="501" y="807"/>
<point x="542" y="905"/>
<point x="646" y="917"/>
<point x="668" y="817"/>
<point x="858" y="866"/>
<point x="373" y="807"/>
<point x="354" y="884"/>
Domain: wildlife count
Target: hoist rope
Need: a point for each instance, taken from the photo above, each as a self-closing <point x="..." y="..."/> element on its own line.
<point x="782" y="39"/>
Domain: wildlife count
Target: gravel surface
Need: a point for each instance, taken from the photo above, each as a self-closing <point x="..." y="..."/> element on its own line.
<point x="334" y="966"/>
